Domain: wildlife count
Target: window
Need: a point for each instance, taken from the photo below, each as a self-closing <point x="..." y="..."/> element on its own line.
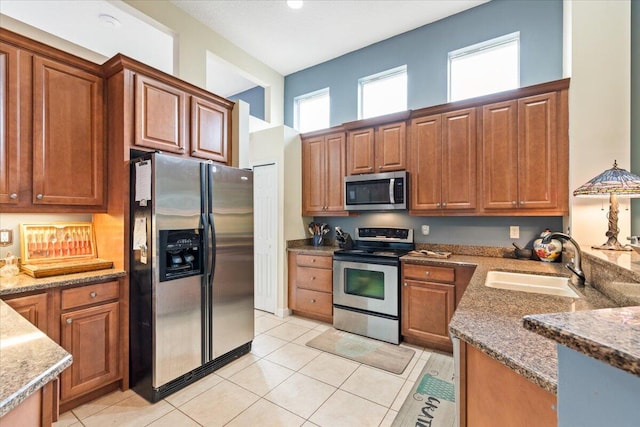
<point x="382" y="93"/>
<point x="483" y="68"/>
<point x="311" y="111"/>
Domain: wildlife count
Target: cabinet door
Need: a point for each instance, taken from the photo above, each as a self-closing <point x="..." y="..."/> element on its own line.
<point x="537" y="151"/>
<point x="209" y="131"/>
<point x="499" y="155"/>
<point x="91" y="336"/>
<point x="390" y="147"/>
<point x="335" y="170"/>
<point x="425" y="171"/>
<point x="68" y="137"/>
<point x="9" y="125"/>
<point x="459" y="159"/>
<point x="361" y="152"/>
<point x="426" y="311"/>
<point x="33" y="308"/>
<point x="313" y="176"/>
<point x="160" y="115"/>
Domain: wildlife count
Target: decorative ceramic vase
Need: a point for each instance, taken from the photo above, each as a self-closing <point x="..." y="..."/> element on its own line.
<point x="548" y="252"/>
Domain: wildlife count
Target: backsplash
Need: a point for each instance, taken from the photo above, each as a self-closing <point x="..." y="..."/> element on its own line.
<point x="477" y="231"/>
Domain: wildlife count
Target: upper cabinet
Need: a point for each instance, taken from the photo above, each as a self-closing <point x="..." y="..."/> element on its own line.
<point x="52" y="142"/>
<point x="323" y="171"/>
<point x="377" y="149"/>
<point x="167" y="114"/>
<point x="523" y="155"/>
<point x="442" y="169"/>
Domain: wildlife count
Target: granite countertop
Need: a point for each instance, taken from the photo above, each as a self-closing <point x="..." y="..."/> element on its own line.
<point x="26" y="283"/>
<point x="609" y="335"/>
<point x="491" y="319"/>
<point x="28" y="359"/>
<point x="314" y="250"/>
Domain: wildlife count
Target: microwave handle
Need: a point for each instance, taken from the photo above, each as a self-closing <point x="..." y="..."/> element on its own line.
<point x="391" y="187"/>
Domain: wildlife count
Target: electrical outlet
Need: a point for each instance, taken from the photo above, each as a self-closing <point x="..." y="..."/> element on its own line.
<point x="514" y="232"/>
<point x="425" y="230"/>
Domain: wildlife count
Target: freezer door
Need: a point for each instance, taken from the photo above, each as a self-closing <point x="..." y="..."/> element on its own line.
<point x="232" y="320"/>
<point x="177" y="336"/>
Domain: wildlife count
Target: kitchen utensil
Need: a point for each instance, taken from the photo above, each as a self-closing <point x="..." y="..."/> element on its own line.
<point x="522" y="253"/>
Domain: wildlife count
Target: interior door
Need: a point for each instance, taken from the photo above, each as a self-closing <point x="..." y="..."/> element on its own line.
<point x="265" y="235"/>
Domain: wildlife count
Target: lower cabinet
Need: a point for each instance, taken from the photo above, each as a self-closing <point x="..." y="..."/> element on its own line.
<point x="430" y="294"/>
<point x="90" y="323"/>
<point x="492" y="394"/>
<point x="311" y="285"/>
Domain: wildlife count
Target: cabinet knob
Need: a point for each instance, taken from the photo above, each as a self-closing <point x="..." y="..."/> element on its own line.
<point x="426" y="273"/>
<point x="313" y="278"/>
<point x="522" y="202"/>
<point x="379" y="167"/>
<point x="513" y="202"/>
<point x="444" y="204"/>
<point x="93" y="294"/>
<point x="13" y="196"/>
<point x="193" y="152"/>
<point x="69" y="321"/>
<point x="313" y="301"/>
<point x="405" y="284"/>
<point x="438" y="205"/>
<point x="182" y="150"/>
<point x="39" y="196"/>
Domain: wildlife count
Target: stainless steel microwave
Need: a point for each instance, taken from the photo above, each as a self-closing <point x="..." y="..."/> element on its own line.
<point x="376" y="192"/>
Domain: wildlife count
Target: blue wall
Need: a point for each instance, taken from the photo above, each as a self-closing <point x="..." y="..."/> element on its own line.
<point x="255" y="98"/>
<point x="425" y="50"/>
<point x="635" y="109"/>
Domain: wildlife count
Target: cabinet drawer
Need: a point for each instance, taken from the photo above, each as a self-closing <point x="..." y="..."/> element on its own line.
<point x="90" y="294"/>
<point x="428" y="272"/>
<point x="315" y="261"/>
<point x="314" y="302"/>
<point x="317" y="279"/>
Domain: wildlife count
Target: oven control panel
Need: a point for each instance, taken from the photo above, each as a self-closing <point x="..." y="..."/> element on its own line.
<point x="385" y="234"/>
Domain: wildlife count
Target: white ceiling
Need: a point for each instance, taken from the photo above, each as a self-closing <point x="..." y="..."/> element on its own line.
<point x="284" y="39"/>
<point x="290" y="40"/>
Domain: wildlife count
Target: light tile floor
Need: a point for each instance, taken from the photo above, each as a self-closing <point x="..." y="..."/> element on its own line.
<point x="281" y="382"/>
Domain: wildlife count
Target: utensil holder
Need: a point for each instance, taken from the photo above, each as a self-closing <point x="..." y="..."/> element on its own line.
<point x="317" y="240"/>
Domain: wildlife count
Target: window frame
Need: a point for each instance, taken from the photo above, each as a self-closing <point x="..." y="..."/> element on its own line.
<point x="392" y="72"/>
<point x="305" y="97"/>
<point x="484" y="46"/>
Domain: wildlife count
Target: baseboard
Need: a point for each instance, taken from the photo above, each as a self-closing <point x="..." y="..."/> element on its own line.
<point x="283" y="312"/>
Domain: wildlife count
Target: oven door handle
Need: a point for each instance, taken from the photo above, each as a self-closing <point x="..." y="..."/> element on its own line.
<point x="392" y="199"/>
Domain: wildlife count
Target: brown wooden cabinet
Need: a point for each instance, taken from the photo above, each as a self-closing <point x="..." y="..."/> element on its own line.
<point x="323" y="170"/>
<point x="33" y="308"/>
<point x="430" y="294"/>
<point x="311" y="285"/>
<point x="52" y="151"/>
<point x="160" y="115"/>
<point x="377" y="149"/>
<point x="210" y="128"/>
<point x="442" y="162"/>
<point x="10" y="164"/>
<point x="68" y="135"/>
<point x="89" y="330"/>
<point x="521" y="155"/>
<point x="492" y="394"/>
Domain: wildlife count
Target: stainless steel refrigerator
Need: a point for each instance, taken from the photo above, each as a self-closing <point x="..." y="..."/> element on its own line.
<point x="191" y="278"/>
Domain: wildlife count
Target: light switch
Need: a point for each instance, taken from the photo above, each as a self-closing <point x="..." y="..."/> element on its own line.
<point x="514" y="232"/>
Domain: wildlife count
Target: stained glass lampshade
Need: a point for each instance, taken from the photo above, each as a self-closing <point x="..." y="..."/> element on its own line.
<point x="613" y="182"/>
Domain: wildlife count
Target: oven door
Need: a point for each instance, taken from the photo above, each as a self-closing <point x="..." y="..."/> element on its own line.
<point x="365" y="285"/>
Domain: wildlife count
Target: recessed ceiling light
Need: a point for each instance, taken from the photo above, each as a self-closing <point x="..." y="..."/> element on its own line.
<point x="108" y="20"/>
<point x="295" y="4"/>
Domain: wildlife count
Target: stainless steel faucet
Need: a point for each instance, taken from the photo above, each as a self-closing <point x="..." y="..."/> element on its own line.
<point x="576" y="267"/>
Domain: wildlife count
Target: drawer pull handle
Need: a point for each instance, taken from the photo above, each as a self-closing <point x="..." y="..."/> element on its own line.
<point x="93" y="294"/>
<point x="13" y="196"/>
<point x="69" y="321"/>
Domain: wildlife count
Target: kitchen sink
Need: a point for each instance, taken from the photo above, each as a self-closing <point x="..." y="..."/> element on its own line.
<point x="533" y="283"/>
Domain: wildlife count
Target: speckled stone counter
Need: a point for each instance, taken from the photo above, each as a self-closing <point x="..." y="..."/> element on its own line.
<point x="25" y="283"/>
<point x="310" y="249"/>
<point x="28" y="359"/>
<point x="491" y="319"/>
<point x="609" y="335"/>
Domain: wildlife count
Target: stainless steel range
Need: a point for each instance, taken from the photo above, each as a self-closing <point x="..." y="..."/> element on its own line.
<point x="366" y="283"/>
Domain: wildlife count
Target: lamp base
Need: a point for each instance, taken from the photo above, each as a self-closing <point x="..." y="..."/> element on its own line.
<point x="612" y="246"/>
